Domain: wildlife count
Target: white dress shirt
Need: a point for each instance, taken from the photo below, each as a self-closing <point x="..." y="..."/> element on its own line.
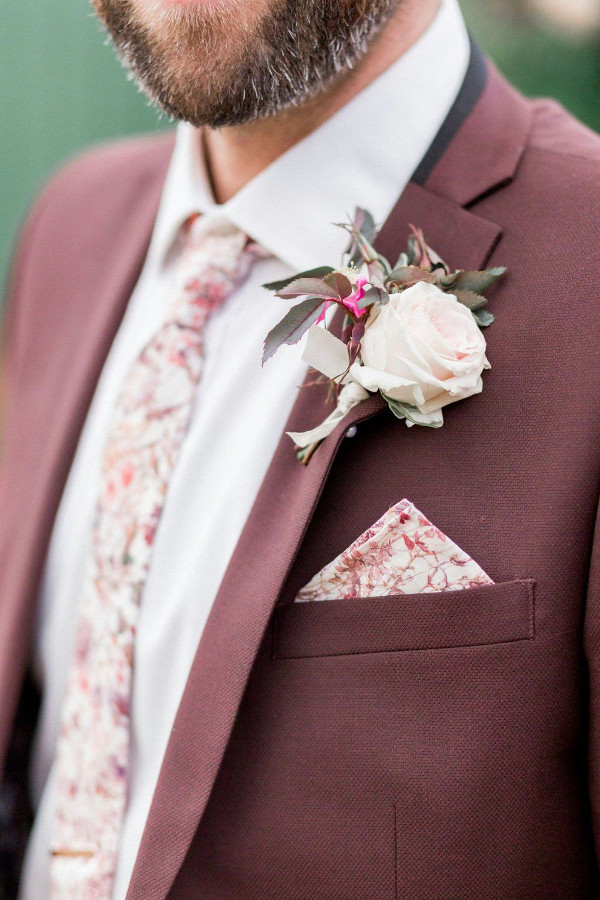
<point x="363" y="156"/>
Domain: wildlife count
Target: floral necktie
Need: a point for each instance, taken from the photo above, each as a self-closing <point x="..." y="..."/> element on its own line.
<point x="148" y="425"/>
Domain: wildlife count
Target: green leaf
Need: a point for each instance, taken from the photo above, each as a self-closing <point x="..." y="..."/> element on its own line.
<point x="477" y="282"/>
<point x="317" y="287"/>
<point x="402" y="261"/>
<point x="408" y="412"/>
<point x="420" y="253"/>
<point x="373" y="295"/>
<point x="410" y="275"/>
<point x="278" y="285"/>
<point x="447" y="281"/>
<point x="396" y="408"/>
<point x="361" y="249"/>
<point x="293" y="326"/>
<point x="364" y="221"/>
<point x="353" y="254"/>
<point x="339" y="284"/>
<point x="377" y="274"/>
<point x="483" y="317"/>
<point x="367" y="251"/>
<point x="469" y="299"/>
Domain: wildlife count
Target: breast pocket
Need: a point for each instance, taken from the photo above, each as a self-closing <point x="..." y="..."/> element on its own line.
<point x="492" y="614"/>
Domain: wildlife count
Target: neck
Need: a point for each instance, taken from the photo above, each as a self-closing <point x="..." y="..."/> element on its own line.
<point x="236" y="155"/>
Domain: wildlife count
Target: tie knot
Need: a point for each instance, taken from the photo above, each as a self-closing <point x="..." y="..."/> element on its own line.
<point x="214" y="239"/>
<point x="216" y="257"/>
<point x="197" y="227"/>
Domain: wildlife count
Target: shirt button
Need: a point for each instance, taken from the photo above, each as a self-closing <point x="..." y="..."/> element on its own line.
<point x="352" y="431"/>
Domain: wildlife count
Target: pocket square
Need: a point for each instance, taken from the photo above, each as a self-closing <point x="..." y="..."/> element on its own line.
<point x="402" y="553"/>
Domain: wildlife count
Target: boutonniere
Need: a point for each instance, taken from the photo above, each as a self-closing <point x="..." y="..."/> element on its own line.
<point x="412" y="330"/>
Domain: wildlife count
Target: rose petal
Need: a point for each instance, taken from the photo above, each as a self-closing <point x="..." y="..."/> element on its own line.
<point x="443" y="399"/>
<point x="373" y="380"/>
<point x="423" y="348"/>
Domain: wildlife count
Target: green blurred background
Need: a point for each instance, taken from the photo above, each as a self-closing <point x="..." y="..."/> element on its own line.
<point x="62" y="87"/>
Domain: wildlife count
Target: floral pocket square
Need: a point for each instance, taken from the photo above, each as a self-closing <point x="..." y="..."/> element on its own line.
<point x="402" y="553"/>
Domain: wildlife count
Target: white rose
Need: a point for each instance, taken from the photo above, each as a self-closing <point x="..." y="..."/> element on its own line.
<point x="423" y="348"/>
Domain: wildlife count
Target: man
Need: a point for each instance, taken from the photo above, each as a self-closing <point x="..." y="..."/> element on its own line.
<point x="202" y="733"/>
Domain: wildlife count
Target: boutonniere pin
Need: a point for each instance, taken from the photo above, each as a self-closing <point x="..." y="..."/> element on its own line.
<point x="412" y="331"/>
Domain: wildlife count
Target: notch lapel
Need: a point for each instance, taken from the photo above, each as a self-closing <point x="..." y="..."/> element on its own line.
<point x="287" y="500"/>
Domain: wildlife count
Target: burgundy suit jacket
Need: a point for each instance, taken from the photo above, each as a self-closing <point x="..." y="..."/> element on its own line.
<point x="421" y="746"/>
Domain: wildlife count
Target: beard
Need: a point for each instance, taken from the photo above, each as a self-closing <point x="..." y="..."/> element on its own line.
<point x="228" y="62"/>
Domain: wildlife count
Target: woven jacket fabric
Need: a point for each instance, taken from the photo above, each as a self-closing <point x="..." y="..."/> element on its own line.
<point x="406" y="747"/>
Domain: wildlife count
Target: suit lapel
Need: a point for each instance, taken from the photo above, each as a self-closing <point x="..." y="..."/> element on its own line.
<point x="290" y="492"/>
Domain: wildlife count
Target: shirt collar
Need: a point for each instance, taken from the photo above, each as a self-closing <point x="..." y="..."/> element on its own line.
<point x="364" y="155"/>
